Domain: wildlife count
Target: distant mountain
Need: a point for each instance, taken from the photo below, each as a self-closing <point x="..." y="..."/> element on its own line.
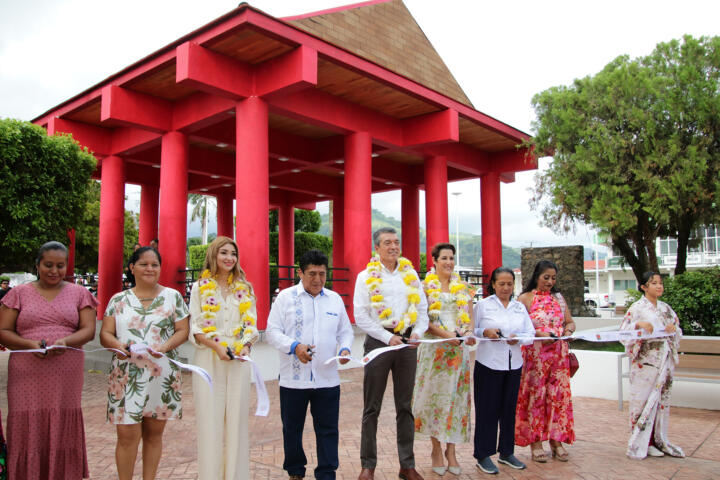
<point x="470" y="245"/>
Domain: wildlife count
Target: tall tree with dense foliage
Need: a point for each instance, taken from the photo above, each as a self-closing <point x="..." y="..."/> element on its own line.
<point x="636" y="149"/>
<point x="87" y="234"/>
<point x="43" y="190"/>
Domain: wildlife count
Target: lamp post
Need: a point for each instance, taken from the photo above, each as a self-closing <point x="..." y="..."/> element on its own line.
<point x="457" y="227"/>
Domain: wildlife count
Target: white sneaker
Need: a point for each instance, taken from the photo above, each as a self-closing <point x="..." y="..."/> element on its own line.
<point x="653" y="451"/>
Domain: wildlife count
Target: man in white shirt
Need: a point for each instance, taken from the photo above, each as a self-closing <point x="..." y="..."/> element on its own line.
<point x="401" y="362"/>
<point x="308" y="324"/>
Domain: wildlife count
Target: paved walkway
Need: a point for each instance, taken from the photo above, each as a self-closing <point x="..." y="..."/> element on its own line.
<point x="599" y="451"/>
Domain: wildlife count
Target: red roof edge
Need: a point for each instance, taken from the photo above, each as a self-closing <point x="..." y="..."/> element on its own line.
<point x="333" y="10"/>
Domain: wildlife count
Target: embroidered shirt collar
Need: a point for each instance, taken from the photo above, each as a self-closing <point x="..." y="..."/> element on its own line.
<point x="301" y="289"/>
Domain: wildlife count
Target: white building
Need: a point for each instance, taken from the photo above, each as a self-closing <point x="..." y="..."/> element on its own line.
<point x="616" y="278"/>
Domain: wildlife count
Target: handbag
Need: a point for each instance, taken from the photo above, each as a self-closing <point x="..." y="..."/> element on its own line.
<point x="573" y="363"/>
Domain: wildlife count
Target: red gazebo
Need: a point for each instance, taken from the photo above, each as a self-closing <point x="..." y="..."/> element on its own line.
<point x="282" y="113"/>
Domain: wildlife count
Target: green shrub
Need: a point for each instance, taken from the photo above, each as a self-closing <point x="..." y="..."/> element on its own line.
<point x="695" y="297"/>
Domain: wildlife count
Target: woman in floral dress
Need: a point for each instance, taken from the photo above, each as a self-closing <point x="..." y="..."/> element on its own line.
<point x="652" y="363"/>
<point x="544" y="409"/>
<point x="145" y="387"/>
<point x="223" y="326"/>
<point x="441" y="399"/>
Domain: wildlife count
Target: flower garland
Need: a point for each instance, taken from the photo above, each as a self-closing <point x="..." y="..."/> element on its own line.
<point x="398" y="324"/>
<point x="243" y="328"/>
<point x="460" y="295"/>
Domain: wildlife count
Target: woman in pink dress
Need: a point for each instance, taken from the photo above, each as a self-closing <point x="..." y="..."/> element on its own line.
<point x="544" y="408"/>
<point x="45" y="433"/>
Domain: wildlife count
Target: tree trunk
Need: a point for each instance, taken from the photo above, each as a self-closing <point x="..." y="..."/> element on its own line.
<point x="204" y="222"/>
<point x="683" y="239"/>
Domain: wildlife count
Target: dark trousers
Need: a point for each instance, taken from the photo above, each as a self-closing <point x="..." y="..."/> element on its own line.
<point x="325" y="409"/>
<point x="496" y="393"/>
<point x="402" y="364"/>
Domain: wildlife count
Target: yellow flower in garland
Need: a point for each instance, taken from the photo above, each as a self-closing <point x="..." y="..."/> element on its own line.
<point x="460" y="296"/>
<point x="399" y="324"/>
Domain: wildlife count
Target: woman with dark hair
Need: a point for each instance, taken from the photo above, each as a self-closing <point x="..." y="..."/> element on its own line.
<point x="441" y="400"/>
<point x="544" y="410"/>
<point x="46" y="436"/>
<point x="652" y="363"/>
<point x="223" y="326"/>
<point x="145" y="387"/>
<point x="497" y="370"/>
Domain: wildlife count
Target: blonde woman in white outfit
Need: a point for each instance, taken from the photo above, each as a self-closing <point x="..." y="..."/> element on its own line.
<point x="222" y="327"/>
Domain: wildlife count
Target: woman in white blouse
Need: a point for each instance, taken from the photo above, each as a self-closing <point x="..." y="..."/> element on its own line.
<point x="223" y="328"/>
<point x="498" y="368"/>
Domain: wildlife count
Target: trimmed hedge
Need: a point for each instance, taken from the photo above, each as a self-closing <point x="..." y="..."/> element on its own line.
<point x="695" y="297"/>
<point x="196" y="256"/>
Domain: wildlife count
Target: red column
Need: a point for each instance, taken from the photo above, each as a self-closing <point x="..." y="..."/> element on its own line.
<point x="286" y="242"/>
<point x="173" y="208"/>
<point x="410" y="205"/>
<point x="252" y="187"/>
<point x="149" y="200"/>
<point x="338" y="251"/>
<point x="436" y="204"/>
<point x="225" y="215"/>
<point x="490" y="223"/>
<point x="358" y="214"/>
<point x="70" y="272"/>
<point x="112" y="227"/>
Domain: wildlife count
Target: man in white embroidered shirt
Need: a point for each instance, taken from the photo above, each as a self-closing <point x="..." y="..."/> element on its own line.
<point x="308" y="324"/>
<point x="396" y="296"/>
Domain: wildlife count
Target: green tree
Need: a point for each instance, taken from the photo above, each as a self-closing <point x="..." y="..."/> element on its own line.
<point x="87" y="234"/>
<point x="635" y="149"/>
<point x="305" y="220"/>
<point x="200" y="212"/>
<point x="43" y="185"/>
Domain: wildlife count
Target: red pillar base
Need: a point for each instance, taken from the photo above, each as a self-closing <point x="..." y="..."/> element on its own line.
<point x="286" y="243"/>
<point x="149" y="201"/>
<point x="410" y="205"/>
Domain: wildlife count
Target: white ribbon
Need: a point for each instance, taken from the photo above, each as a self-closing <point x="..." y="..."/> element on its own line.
<point x="613" y="336"/>
<point x="263" y="401"/>
<point x="143" y="348"/>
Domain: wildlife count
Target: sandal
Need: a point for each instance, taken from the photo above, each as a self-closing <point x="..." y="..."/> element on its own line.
<point x="559" y="452"/>
<point x="539" y="455"/>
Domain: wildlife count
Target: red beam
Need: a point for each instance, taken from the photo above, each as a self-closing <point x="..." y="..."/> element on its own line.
<point x="462" y="157"/>
<point x="125" y="107"/>
<point x="308" y="182"/>
<point x="290" y="72"/>
<point x="201" y="110"/>
<point x="438" y="127"/>
<point x="96" y="139"/>
<point x="129" y="140"/>
<point x="515" y="160"/>
<point x="212" y="72"/>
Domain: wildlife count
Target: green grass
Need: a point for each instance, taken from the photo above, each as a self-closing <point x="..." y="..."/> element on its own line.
<point x="598" y="346"/>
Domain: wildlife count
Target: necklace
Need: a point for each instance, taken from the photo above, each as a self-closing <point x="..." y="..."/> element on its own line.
<point x="398" y="323"/>
<point x="460" y="296"/>
<point x="242" y="324"/>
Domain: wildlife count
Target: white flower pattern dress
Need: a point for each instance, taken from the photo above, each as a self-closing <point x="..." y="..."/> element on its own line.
<point x="652" y="363"/>
<point x="441" y="400"/>
<point x="144" y="386"/>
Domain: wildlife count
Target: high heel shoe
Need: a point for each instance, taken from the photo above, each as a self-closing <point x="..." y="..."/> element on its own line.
<point x="440" y="470"/>
<point x="559" y="452"/>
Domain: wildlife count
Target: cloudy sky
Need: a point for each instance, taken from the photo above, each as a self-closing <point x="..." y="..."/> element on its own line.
<point x="501" y="53"/>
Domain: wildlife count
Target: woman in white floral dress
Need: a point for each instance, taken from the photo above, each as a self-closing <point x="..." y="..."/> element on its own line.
<point x="652" y="363"/>
<point x="144" y="388"/>
<point x="441" y="400"/>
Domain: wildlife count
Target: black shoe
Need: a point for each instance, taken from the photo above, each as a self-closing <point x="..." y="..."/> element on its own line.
<point x="511" y="461"/>
<point x="487" y="466"/>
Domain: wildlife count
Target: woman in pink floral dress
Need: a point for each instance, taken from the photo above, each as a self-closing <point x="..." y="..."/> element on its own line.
<point x="544" y="408"/>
